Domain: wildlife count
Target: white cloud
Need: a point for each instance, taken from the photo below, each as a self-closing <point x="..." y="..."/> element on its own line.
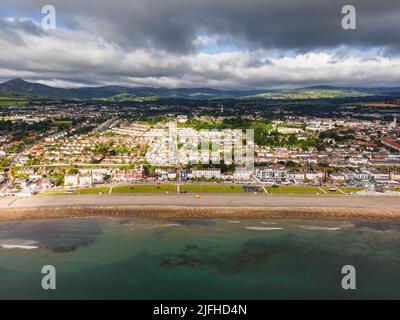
<point x="69" y="57"/>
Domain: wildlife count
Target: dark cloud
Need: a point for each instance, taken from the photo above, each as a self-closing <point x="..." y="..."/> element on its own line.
<point x="9" y="30"/>
<point x="172" y="25"/>
<point x="254" y="43"/>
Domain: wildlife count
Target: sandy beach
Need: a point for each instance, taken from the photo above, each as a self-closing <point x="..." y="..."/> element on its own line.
<point x="168" y="206"/>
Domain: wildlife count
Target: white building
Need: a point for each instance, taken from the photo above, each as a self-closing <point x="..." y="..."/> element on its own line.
<point x="377" y="174"/>
<point x="71" y="180"/>
<point x="23" y="159"/>
<point x="288" y="130"/>
<point x="314" y="175"/>
<point x="242" y="174"/>
<point x="85" y="180"/>
<point x="182" y="118"/>
<point x="206" y="173"/>
<point x="171" y="175"/>
<point x="337" y="176"/>
<point x="395" y="175"/>
<point x="360" y="175"/>
<point x="35" y="176"/>
<point x="294" y="175"/>
<point x="268" y="174"/>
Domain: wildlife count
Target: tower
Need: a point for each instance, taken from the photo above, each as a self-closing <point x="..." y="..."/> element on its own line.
<point x="222" y="108"/>
<point x="393" y="124"/>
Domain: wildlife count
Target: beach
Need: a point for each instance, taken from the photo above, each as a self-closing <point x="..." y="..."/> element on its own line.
<point x="221" y="206"/>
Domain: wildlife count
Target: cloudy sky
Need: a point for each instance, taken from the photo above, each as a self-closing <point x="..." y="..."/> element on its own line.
<point x="201" y="43"/>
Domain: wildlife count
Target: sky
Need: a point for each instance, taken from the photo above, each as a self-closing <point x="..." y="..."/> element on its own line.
<point x="226" y="44"/>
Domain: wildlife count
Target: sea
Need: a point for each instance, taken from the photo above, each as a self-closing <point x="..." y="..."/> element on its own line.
<point x="101" y="258"/>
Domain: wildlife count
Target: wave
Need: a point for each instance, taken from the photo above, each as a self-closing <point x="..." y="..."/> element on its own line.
<point x="263" y="228"/>
<point x="19" y="244"/>
<point x="233" y="221"/>
<point x="152" y="226"/>
<point x="319" y="228"/>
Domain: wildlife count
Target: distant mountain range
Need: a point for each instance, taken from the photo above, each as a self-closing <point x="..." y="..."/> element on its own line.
<point x="118" y="93"/>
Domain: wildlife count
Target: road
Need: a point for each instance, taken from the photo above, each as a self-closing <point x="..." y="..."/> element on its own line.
<point x="223" y="200"/>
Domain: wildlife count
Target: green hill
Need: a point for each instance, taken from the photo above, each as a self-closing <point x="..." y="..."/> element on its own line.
<point x="311" y="94"/>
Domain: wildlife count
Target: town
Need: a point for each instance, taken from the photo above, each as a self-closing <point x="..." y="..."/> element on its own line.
<point x="82" y="148"/>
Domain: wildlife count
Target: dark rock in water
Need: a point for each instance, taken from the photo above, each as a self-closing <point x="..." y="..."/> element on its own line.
<point x="69" y="248"/>
<point x="251" y="255"/>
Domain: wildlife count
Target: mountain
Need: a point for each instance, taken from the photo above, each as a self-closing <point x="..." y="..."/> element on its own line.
<point x="374" y="90"/>
<point x="180" y="93"/>
<point x="22" y="87"/>
<point x="322" y="92"/>
<point x="120" y="93"/>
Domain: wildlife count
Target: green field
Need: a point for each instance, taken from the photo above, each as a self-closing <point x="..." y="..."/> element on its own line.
<point x="210" y="188"/>
<point x="343" y="189"/>
<point x="129" y="97"/>
<point x="145" y="188"/>
<point x="92" y="190"/>
<point x="293" y="190"/>
<point x="326" y="189"/>
<point x="12" y="103"/>
<point x="77" y="191"/>
<point x="62" y="122"/>
<point x="394" y="189"/>
<point x="351" y="189"/>
<point x="52" y="192"/>
<point x="311" y="94"/>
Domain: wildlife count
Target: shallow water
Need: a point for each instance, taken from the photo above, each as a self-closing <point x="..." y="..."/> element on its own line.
<point x="198" y="259"/>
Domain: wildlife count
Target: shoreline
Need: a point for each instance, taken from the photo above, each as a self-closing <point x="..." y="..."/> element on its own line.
<point x="181" y="212"/>
<point x="211" y="206"/>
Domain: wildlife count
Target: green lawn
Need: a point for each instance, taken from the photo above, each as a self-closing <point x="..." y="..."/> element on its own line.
<point x="351" y="189"/>
<point x="198" y="188"/>
<point x="77" y="191"/>
<point x="344" y="189"/>
<point x="144" y="188"/>
<point x="62" y="122"/>
<point x="10" y="101"/>
<point x="13" y="103"/>
<point x="293" y="190"/>
<point x="326" y="189"/>
<point x="52" y="192"/>
<point x="92" y="190"/>
<point x="394" y="189"/>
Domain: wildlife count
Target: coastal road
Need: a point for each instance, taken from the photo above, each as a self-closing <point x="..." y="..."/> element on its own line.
<point x="223" y="200"/>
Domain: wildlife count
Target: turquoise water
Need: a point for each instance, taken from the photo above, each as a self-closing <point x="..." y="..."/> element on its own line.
<point x="199" y="259"/>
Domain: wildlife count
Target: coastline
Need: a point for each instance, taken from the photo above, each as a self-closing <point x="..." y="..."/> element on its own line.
<point x="225" y="206"/>
<point x="182" y="212"/>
